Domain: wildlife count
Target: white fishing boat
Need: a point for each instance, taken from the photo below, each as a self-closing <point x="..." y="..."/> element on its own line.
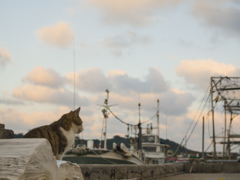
<point x="146" y="149"/>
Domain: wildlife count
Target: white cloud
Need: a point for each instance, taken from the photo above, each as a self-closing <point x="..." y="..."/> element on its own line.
<point x="21" y="122"/>
<point x="132" y="12"/>
<point x="60" y="35"/>
<point x="45" y="77"/>
<point x="198" y="72"/>
<point x="42" y="94"/>
<point x="5" y="56"/>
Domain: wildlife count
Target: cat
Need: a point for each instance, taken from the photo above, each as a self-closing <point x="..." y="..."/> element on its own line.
<point x="61" y="133"/>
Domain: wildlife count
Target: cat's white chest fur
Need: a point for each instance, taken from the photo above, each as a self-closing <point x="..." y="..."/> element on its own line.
<point x="70" y="136"/>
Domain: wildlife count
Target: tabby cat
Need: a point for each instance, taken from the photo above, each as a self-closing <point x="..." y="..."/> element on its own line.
<point x="61" y="133"/>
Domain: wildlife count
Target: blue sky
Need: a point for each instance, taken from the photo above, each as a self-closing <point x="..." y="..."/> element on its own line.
<point x="140" y="50"/>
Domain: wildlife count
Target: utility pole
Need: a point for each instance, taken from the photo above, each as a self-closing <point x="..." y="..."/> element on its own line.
<point x="213" y="125"/>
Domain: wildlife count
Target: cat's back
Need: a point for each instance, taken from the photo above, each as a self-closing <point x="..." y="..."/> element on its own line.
<point x="40" y="132"/>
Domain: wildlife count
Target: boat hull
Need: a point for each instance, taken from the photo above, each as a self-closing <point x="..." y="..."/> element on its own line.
<point x="110" y="157"/>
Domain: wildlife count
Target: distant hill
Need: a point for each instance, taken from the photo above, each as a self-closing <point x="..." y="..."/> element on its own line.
<point x="118" y="139"/>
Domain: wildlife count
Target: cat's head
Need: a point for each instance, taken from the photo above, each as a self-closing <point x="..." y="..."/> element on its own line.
<point x="76" y="121"/>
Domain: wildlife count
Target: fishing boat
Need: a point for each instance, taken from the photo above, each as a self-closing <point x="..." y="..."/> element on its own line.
<point x="145" y="149"/>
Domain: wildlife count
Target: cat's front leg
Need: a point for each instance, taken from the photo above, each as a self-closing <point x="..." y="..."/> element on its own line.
<point x="59" y="156"/>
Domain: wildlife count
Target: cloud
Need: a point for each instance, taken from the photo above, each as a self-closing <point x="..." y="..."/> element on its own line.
<point x="42" y="94"/>
<point x="223" y="14"/>
<point x="124" y="41"/>
<point x="92" y="80"/>
<point x="153" y="82"/>
<point x="21" y="122"/>
<point x="125" y="90"/>
<point x="60" y="35"/>
<point x="10" y="101"/>
<point x="198" y="72"/>
<point x="131" y="12"/>
<point x="5" y="56"/>
<point x="45" y="77"/>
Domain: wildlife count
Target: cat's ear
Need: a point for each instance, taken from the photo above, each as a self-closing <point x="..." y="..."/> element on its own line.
<point x="77" y="111"/>
<point x="70" y="115"/>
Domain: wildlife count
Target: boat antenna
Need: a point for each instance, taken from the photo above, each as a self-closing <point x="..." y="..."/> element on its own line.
<point x="74" y="69"/>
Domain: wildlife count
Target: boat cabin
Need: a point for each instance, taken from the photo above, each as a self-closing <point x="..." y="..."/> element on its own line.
<point x="154" y="152"/>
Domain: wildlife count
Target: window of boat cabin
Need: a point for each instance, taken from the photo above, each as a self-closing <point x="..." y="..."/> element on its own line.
<point x="149" y="149"/>
<point x="150" y="139"/>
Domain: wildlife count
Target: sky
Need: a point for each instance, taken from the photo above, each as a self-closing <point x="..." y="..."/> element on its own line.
<point x="140" y="50"/>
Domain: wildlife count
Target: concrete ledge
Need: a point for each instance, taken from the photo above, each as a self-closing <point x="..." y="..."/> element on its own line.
<point x="223" y="167"/>
<point x="110" y="172"/>
<point x="24" y="159"/>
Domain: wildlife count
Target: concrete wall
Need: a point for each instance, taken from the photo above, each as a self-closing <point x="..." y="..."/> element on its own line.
<point x="5" y="133"/>
<point x="224" y="167"/>
<point x="110" y="172"/>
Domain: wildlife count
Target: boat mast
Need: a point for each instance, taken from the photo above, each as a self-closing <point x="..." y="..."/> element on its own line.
<point x="158" y="117"/>
<point x="139" y="130"/>
<point x="105" y="119"/>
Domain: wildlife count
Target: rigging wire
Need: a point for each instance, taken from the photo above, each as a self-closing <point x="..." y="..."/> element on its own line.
<point x="129" y="123"/>
<point x="196" y="122"/>
<point x="207" y="90"/>
<point x="193" y="121"/>
<point x="208" y="147"/>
